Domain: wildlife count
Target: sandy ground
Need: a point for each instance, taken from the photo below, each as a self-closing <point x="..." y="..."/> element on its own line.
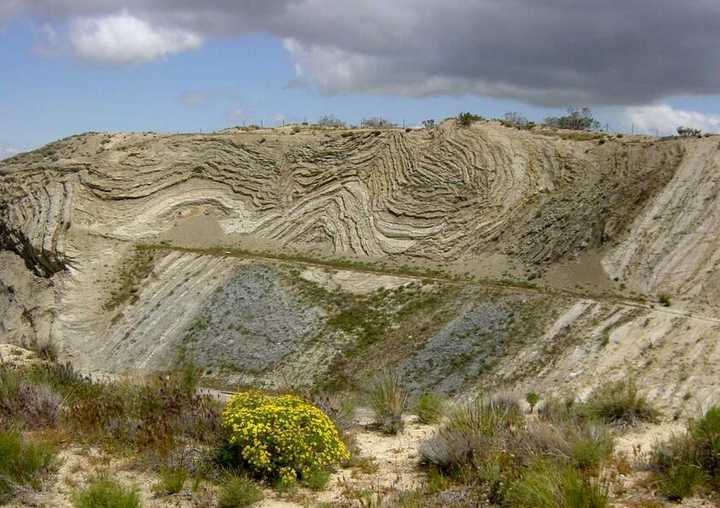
<point x="395" y="468"/>
<point x="395" y="460"/>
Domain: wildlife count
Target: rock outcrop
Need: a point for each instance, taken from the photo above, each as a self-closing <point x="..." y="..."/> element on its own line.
<point x="125" y="250"/>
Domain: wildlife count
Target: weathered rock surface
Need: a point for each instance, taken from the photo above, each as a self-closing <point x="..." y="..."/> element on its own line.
<point x="496" y="202"/>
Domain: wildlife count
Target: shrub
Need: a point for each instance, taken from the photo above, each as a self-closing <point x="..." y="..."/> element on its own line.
<point x="590" y="445"/>
<point x="317" y="479"/>
<point x="388" y="400"/>
<point x="376" y="122"/>
<point x="532" y="399"/>
<point x="705" y="435"/>
<point x="470" y="434"/>
<point x="152" y="416"/>
<point x="579" y="119"/>
<point x="513" y="119"/>
<point x="691" y="459"/>
<point x="330" y="121"/>
<point x="238" y="491"/>
<point x="281" y="436"/>
<point x="618" y="402"/>
<point x="104" y="493"/>
<point x="688" y="132"/>
<point x="515" y="462"/>
<point x="429" y="123"/>
<point x="341" y="410"/>
<point x="467" y="119"/>
<point x="171" y="481"/>
<point x="680" y="481"/>
<point x="555" y="410"/>
<point x="429" y="408"/>
<point x="545" y="485"/>
<point x="664" y="299"/>
<point x="22" y="463"/>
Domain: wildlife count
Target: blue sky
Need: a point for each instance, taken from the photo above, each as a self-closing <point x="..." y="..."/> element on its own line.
<point x="63" y="74"/>
<point x="223" y="83"/>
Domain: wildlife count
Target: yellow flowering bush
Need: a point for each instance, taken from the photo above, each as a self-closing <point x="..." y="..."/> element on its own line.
<point x="281" y="436"/>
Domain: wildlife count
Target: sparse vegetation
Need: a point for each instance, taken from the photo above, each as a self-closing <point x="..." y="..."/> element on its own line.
<point x="172" y="480"/>
<point x="690" y="462"/>
<point x="516" y="120"/>
<point x="317" y="479"/>
<point x="545" y="485"/>
<point x="330" y="121"/>
<point x="618" y="402"/>
<point x="157" y="415"/>
<point x="376" y="122"/>
<point x="136" y="268"/>
<point x="238" y="491"/>
<point x="388" y="400"/>
<point x="429" y="408"/>
<point x="466" y="119"/>
<point x="579" y="119"/>
<point x="664" y="299"/>
<point x="490" y="446"/>
<point x="105" y="493"/>
<point x="689" y="132"/>
<point x="22" y="463"/>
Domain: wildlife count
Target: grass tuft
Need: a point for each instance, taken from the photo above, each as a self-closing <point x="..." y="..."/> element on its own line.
<point x="171" y="481"/>
<point x="238" y="491"/>
<point x="619" y="402"/>
<point x="388" y="400"/>
<point x="23" y="463"/>
<point x="430" y="408"/>
<point x="690" y="461"/>
<point x="105" y="493"/>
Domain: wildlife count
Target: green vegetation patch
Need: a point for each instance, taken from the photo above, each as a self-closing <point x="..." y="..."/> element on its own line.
<point x="105" y="493"/>
<point x="23" y="463"/>
<point x="689" y="463"/>
<point x="130" y="276"/>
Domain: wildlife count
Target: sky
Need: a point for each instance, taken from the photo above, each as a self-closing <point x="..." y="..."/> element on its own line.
<point x="71" y="66"/>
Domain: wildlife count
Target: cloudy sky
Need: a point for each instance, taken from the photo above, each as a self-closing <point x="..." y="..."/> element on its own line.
<point x="69" y="66"/>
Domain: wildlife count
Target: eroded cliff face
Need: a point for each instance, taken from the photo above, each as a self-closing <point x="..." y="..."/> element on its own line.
<point x="137" y="248"/>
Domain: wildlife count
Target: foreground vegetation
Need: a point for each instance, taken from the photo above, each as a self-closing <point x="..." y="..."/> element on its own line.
<point x="163" y="425"/>
<point x="493" y="451"/>
<point x="689" y="463"/>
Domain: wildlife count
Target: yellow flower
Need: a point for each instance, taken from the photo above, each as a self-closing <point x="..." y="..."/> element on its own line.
<point x="282" y="436"/>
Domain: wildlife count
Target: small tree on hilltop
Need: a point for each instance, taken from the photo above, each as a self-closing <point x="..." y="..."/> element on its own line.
<point x="376" y="122"/>
<point x="466" y="119"/>
<point x="330" y="121"/>
<point x="515" y="120"/>
<point x="688" y="132"/>
<point x="578" y="119"/>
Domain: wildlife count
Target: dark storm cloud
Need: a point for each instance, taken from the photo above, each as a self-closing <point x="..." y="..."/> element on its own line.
<point x="548" y="52"/>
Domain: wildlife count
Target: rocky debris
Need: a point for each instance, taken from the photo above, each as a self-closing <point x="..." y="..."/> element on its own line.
<point x="16" y="356"/>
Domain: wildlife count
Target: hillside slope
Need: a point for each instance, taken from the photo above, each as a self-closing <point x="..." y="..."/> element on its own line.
<point x="465" y="257"/>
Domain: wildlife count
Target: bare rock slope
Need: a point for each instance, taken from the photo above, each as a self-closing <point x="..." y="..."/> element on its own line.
<point x="463" y="256"/>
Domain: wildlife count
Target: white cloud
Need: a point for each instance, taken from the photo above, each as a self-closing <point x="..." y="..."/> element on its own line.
<point x="550" y="53"/>
<point x="123" y="38"/>
<point x="664" y="119"/>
